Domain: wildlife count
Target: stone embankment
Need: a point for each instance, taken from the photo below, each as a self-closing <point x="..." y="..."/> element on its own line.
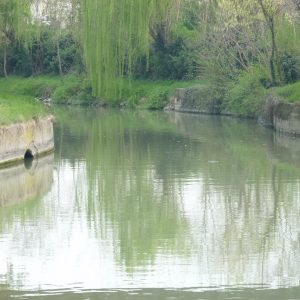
<point x="28" y="139"/>
<point x="286" y="118"/>
<point x="191" y="100"/>
<point x="275" y="113"/>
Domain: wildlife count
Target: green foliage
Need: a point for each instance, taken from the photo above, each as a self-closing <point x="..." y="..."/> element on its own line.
<point x="289" y="68"/>
<point x="152" y="94"/>
<point x="15" y="20"/>
<point x="32" y="86"/>
<point x="175" y="58"/>
<point x="18" y="109"/>
<point x="245" y="95"/>
<point x="115" y="34"/>
<point x="288" y="40"/>
<point x="290" y="92"/>
<point x="77" y="90"/>
<point x="45" y="52"/>
<point x="15" y="25"/>
<point x="42" y="58"/>
<point x="123" y="43"/>
<point x="72" y="89"/>
<point x="211" y="96"/>
<point x="173" y="55"/>
<point x="19" y="61"/>
<point x="288" y="37"/>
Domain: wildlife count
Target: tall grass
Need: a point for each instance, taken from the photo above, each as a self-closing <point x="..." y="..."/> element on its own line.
<point x="290" y="92"/>
<point x="19" y="109"/>
<point x="62" y="90"/>
<point x="153" y="94"/>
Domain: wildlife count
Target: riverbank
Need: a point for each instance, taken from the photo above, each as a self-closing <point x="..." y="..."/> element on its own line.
<point x="76" y="90"/>
<point x="15" y="108"/>
<point x="26" y="128"/>
<point x="66" y="90"/>
<point x="28" y="139"/>
<point x="274" y="107"/>
<point x="241" y="98"/>
<point x="273" y="112"/>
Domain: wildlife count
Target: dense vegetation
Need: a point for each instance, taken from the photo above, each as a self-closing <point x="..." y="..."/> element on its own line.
<point x="125" y="52"/>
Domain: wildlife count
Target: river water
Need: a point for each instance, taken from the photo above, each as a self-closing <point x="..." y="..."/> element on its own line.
<point x="153" y="205"/>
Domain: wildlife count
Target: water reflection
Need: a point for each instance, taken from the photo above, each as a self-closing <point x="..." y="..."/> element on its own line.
<point x="23" y="182"/>
<point x="151" y="200"/>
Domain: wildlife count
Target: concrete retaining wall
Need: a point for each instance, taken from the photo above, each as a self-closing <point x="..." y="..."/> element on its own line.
<point x="275" y="113"/>
<point x="33" y="137"/>
<point x="286" y="118"/>
<point x="191" y="100"/>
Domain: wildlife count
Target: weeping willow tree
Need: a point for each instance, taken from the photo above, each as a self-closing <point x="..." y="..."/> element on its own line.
<point x="15" y="23"/>
<point x="115" y="34"/>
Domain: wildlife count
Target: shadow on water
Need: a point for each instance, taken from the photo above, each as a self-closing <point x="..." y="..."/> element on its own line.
<point x="162" y="294"/>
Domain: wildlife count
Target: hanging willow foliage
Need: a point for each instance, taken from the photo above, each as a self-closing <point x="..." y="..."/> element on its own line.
<point x="115" y="33"/>
<point x="15" y="17"/>
<point x="15" y="23"/>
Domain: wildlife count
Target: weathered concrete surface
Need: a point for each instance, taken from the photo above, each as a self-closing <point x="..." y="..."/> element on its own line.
<point x="286" y="118"/>
<point x="18" y="184"/>
<point x="35" y="136"/>
<point x="275" y="113"/>
<point x="266" y="115"/>
<point x="192" y="100"/>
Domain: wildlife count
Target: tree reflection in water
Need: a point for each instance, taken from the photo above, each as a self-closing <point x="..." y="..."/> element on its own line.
<point x="165" y="200"/>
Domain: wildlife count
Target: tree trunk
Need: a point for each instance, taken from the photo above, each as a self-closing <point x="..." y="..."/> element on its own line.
<point x="269" y="17"/>
<point x="273" y="53"/>
<point x="5" y="61"/>
<point x="59" y="59"/>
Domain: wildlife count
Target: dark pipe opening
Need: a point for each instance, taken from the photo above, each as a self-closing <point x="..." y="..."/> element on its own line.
<point x="28" y="155"/>
<point x="28" y="159"/>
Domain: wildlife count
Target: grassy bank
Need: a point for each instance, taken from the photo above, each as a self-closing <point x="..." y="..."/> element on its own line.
<point x="19" y="96"/>
<point x="76" y="90"/>
<point x="69" y="88"/>
<point x="19" y="109"/>
<point x="244" y="96"/>
<point x="290" y="92"/>
<point x="153" y="94"/>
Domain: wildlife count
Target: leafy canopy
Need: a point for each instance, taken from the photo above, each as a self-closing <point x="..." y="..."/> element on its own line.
<point x="115" y="33"/>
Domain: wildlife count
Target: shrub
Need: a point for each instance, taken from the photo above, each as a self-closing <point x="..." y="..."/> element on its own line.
<point x="246" y="93"/>
<point x="289" y="68"/>
<point x="290" y="92"/>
